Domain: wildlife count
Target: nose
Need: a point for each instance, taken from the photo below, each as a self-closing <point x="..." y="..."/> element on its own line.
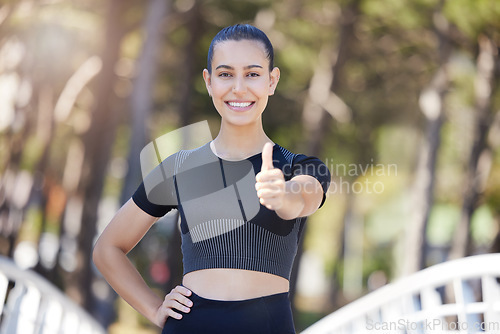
<point x="239" y="86"/>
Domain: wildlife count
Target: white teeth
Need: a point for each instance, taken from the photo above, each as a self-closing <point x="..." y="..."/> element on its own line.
<point x="240" y="104"/>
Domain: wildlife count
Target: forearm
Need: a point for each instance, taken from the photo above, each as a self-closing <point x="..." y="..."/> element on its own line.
<point x="302" y="197"/>
<point x="293" y="202"/>
<point x="126" y="280"/>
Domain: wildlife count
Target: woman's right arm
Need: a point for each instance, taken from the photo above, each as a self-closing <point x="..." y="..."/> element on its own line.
<point x="124" y="231"/>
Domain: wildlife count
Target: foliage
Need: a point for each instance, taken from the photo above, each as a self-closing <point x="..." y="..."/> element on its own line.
<point x="392" y="55"/>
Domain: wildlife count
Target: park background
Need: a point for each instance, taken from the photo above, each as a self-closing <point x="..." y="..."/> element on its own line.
<point x="398" y="97"/>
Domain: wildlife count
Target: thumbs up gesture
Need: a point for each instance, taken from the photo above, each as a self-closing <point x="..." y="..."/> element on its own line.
<point x="270" y="182"/>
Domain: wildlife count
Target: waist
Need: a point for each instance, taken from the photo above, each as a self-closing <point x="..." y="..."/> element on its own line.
<point x="269" y="314"/>
<point x="234" y="284"/>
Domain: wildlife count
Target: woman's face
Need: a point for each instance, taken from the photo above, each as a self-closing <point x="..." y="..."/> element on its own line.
<point x="240" y="83"/>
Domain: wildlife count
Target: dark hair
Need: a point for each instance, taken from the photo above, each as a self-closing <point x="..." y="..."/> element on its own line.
<point x="240" y="32"/>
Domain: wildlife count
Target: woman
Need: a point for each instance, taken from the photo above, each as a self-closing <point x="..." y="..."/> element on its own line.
<point x="239" y="238"/>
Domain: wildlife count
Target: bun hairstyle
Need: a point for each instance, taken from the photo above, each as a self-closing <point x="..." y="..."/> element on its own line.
<point x="240" y="32"/>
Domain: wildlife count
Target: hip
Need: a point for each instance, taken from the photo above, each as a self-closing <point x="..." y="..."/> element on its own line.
<point x="269" y="314"/>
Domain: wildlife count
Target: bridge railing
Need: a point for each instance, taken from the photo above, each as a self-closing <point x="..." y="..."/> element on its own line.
<point x="459" y="296"/>
<point x="29" y="304"/>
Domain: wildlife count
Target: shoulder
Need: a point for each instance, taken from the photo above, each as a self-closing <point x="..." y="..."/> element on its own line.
<point x="296" y="158"/>
<point x="284" y="153"/>
<point x="302" y="164"/>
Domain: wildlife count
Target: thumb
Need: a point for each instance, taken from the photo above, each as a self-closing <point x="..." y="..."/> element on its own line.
<point x="267" y="157"/>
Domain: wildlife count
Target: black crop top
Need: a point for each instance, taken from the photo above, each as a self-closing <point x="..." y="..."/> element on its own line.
<point x="223" y="225"/>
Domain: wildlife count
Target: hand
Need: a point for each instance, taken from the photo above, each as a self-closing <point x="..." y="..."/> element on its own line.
<point x="176" y="299"/>
<point x="270" y="182"/>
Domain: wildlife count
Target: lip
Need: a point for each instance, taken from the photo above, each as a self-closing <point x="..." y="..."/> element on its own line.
<point x="240" y="109"/>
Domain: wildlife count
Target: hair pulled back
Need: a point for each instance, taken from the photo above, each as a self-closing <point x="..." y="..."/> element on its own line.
<point x="240" y="32"/>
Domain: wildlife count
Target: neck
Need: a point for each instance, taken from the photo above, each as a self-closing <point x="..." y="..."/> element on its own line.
<point x="239" y="142"/>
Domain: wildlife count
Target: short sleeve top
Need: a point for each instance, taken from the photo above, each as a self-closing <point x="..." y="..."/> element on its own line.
<point x="223" y="225"/>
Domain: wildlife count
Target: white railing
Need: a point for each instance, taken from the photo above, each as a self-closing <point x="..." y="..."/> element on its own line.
<point x="459" y="296"/>
<point x="29" y="304"/>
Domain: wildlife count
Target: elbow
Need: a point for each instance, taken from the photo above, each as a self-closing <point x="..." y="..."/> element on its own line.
<point x="97" y="254"/>
<point x="105" y="254"/>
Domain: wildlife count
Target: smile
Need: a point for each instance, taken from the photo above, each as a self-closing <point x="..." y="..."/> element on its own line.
<point x="240" y="104"/>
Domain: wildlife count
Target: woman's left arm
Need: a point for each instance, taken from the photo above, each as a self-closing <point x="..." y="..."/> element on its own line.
<point x="303" y="195"/>
<point x="300" y="196"/>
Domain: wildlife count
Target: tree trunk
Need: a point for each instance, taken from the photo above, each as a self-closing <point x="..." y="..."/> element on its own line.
<point x="353" y="241"/>
<point x="45" y="135"/>
<point x="141" y="99"/>
<point x="494" y="143"/>
<point x="481" y="157"/>
<point x="423" y="188"/>
<point x="98" y="144"/>
<point x="323" y="85"/>
<point x="186" y="115"/>
<point x="432" y="105"/>
<point x="142" y="93"/>
<point x="194" y="26"/>
<point x="11" y="209"/>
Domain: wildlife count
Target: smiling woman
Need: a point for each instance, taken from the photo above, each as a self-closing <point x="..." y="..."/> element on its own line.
<point x="241" y="81"/>
<point x="243" y="201"/>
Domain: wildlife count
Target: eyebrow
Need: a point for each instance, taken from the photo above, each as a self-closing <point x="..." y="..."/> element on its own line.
<point x="232" y="68"/>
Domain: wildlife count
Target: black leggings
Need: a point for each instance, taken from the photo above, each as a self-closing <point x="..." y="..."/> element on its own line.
<point x="263" y="315"/>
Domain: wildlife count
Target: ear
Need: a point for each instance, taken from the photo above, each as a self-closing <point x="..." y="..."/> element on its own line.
<point x="275" y="77"/>
<point x="208" y="81"/>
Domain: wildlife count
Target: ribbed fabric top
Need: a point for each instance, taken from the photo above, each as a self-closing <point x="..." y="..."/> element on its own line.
<point x="223" y="224"/>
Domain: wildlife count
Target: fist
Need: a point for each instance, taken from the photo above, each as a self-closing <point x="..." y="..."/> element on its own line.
<point x="270" y="181"/>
